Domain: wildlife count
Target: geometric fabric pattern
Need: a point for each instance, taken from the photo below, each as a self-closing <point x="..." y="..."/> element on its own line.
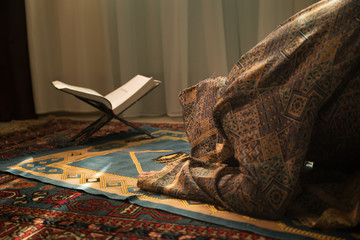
<point x="110" y="167"/>
<point x="294" y="97"/>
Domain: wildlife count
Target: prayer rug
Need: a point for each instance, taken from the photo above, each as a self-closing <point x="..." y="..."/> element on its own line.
<point x="30" y="209"/>
<point x="109" y="166"/>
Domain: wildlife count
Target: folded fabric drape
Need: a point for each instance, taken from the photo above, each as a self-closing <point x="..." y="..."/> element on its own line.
<point x="251" y="131"/>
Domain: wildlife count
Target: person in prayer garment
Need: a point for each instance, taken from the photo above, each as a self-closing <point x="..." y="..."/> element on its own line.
<point x="293" y="98"/>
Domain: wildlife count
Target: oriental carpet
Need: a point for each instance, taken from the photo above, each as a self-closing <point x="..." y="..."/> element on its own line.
<point x="34" y="210"/>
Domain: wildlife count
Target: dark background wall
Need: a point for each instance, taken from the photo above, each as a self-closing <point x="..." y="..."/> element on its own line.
<point x="16" y="99"/>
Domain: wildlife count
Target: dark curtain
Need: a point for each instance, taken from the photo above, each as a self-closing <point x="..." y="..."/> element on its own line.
<point x="16" y="99"/>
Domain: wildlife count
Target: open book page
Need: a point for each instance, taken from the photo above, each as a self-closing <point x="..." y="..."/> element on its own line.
<point x="130" y="92"/>
<point x="82" y="92"/>
<point x="118" y="100"/>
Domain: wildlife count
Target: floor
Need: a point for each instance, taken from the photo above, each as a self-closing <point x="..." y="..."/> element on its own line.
<point x="93" y="116"/>
<point x="6" y="127"/>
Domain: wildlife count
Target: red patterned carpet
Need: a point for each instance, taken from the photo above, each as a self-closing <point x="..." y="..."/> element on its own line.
<point x="34" y="210"/>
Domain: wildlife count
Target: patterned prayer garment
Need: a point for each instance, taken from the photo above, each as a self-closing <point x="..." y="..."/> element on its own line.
<point x="294" y="97"/>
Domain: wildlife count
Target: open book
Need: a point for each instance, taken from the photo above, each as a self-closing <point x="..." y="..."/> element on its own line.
<point x="118" y="100"/>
